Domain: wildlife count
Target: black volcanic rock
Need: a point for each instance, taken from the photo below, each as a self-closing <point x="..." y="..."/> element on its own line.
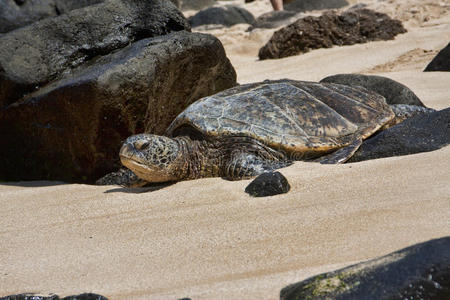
<point x="421" y="271"/>
<point x="32" y="56"/>
<point x="16" y="14"/>
<point x="393" y="91"/>
<point x="268" y="184"/>
<point x="72" y="128"/>
<point x="422" y="133"/>
<point x="441" y="62"/>
<point x="348" y="28"/>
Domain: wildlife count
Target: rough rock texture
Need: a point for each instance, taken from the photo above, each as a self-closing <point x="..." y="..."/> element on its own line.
<point x="393" y="91"/>
<point x="196" y="4"/>
<point x="72" y="129"/>
<point x="87" y="296"/>
<point x="176" y="3"/>
<point x="351" y="27"/>
<point x="15" y="14"/>
<point x="421" y="133"/>
<point x="268" y="184"/>
<point x="306" y="5"/>
<point x="421" y="271"/>
<point x="35" y="55"/>
<point x="441" y="62"/>
<point x="228" y="15"/>
<point x="276" y="18"/>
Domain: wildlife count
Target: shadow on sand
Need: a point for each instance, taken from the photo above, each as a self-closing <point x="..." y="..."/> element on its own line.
<point x="148" y="188"/>
<point x="32" y="184"/>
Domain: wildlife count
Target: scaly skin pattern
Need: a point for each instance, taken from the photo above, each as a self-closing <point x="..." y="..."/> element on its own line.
<point x="158" y="159"/>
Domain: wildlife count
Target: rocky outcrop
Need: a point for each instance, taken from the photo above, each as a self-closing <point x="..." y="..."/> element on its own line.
<point x="72" y="128"/>
<point x="351" y="27"/>
<point x="393" y="91"/>
<point x="422" y="133"/>
<point x="268" y="184"/>
<point x="418" y="272"/>
<point x="15" y="14"/>
<point x="228" y="15"/>
<point x="32" y="56"/>
<point x="73" y="87"/>
<point x="441" y="62"/>
<point x="307" y="5"/>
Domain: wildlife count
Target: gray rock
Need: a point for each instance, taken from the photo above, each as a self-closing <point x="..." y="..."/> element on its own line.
<point x="16" y="14"/>
<point x="196" y="4"/>
<point x="422" y="133"/>
<point x="421" y="271"/>
<point x="228" y="15"/>
<point x="72" y="129"/>
<point x="268" y="184"/>
<point x="441" y="62"/>
<point x="35" y="55"/>
<point x="307" y="5"/>
<point x="393" y="91"/>
<point x="64" y="6"/>
<point x="276" y="18"/>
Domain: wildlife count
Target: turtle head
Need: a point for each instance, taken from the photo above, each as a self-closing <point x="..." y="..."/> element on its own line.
<point x="152" y="158"/>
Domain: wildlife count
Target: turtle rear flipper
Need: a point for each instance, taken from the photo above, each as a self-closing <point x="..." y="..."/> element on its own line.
<point x="244" y="165"/>
<point x="406" y="111"/>
<point x="342" y="155"/>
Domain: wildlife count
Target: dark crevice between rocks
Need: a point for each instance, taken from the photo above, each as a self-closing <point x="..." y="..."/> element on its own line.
<point x="19" y="2"/>
<point x="57" y="11"/>
<point x="173" y="25"/>
<point x="88" y="56"/>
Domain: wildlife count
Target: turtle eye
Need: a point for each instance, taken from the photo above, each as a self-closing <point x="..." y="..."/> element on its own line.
<point x="141" y="145"/>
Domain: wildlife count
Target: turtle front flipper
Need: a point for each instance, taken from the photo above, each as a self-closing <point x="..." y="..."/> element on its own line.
<point x="242" y="165"/>
<point x="342" y="155"/>
<point x="123" y="177"/>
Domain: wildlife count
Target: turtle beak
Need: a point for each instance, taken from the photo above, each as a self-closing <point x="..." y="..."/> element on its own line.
<point x="127" y="150"/>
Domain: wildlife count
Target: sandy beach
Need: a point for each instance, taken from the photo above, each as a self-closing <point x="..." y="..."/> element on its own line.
<point x="208" y="239"/>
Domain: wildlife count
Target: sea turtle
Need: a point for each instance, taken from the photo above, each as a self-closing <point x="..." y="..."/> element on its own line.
<point x="253" y="128"/>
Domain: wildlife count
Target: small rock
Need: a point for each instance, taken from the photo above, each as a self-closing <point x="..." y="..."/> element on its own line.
<point x="228" y="15"/>
<point x="421" y="271"/>
<point x="421" y="133"/>
<point x="393" y="91"/>
<point x="441" y="62"/>
<point x="268" y="184"/>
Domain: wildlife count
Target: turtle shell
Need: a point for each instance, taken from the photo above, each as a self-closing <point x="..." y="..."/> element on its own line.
<point x="305" y="118"/>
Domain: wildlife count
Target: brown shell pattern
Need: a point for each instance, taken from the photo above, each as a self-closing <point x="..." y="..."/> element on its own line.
<point x="293" y="116"/>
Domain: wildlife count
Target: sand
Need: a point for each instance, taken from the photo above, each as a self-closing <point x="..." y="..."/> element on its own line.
<point x="207" y="239"/>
